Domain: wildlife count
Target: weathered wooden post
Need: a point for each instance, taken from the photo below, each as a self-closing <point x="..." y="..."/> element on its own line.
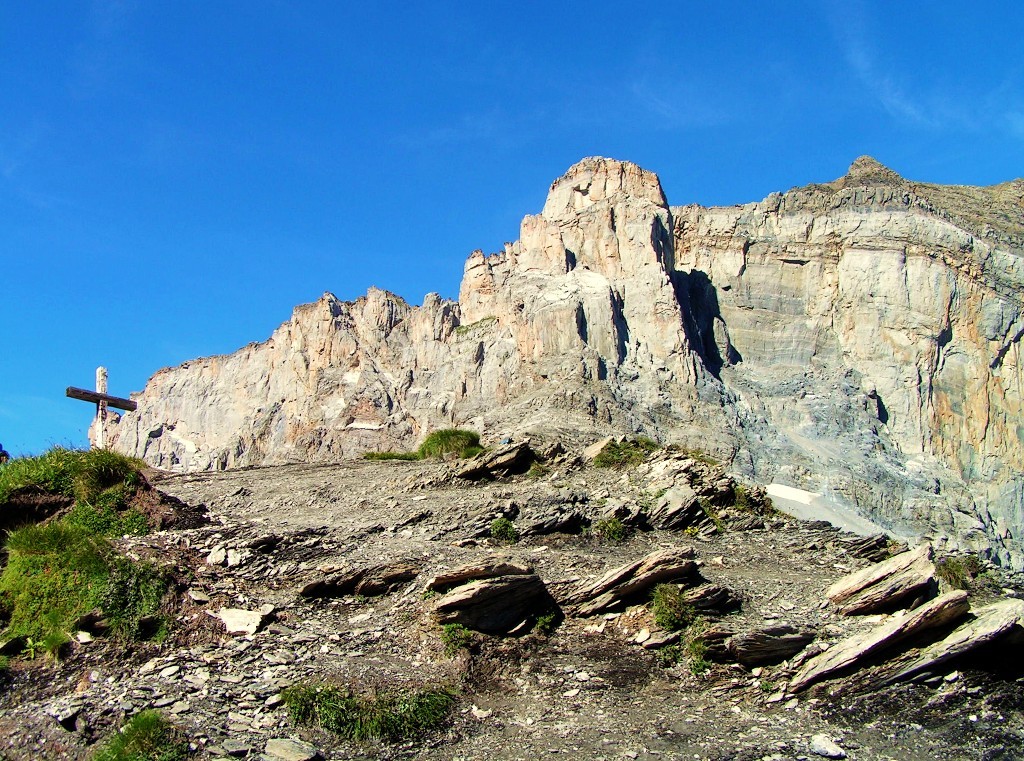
<point x="102" y="400"/>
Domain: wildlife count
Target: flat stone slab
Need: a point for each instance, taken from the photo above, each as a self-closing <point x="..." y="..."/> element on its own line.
<point x="883" y="585"/>
<point x="990" y="623"/>
<point x="854" y="650"/>
<point x="474" y="571"/>
<point x="288" y="749"/>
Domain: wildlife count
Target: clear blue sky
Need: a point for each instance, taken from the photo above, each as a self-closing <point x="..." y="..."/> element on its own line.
<point x="176" y="176"/>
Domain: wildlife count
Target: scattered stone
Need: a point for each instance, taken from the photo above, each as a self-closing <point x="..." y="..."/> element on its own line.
<point x="713" y="598"/>
<point x="218" y="556"/>
<point x="677" y="509"/>
<point x="825" y="746"/>
<point x="198" y="596"/>
<point x="289" y="749"/>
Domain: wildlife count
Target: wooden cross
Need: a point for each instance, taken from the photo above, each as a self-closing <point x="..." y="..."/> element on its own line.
<point x="102" y="400"/>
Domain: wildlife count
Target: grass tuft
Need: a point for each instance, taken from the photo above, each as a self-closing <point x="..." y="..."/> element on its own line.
<point x="390" y="456"/>
<point x="391" y="718"/>
<point x="669" y="610"/>
<point x="625" y="455"/>
<point x="450" y="441"/>
<point x="147" y="736"/>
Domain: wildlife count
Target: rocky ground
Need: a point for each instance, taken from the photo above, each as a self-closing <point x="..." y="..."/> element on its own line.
<point x="590" y="688"/>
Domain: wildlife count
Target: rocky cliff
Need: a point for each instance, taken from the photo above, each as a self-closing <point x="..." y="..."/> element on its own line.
<point x="858" y="339"/>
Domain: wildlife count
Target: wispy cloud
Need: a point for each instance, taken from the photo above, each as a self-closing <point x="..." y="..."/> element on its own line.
<point x="932" y="105"/>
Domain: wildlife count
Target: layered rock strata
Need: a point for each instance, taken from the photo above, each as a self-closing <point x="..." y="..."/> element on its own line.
<point x="858" y="339"/>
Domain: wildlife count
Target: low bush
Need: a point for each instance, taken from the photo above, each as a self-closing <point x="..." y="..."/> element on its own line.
<point x="610" y="530"/>
<point x="147" y="736"/>
<point x="669" y="609"/>
<point x="958" y="571"/>
<point x="392" y="718"/>
<point x="625" y="454"/>
<point x="547" y="622"/>
<point x="455" y="637"/>
<point x="504" y="530"/>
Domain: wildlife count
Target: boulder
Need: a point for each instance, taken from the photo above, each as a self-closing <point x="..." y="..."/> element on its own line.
<point x="507" y="460"/>
<point x="1003" y="619"/>
<point x="368" y="582"/>
<point x="633" y="579"/>
<point x="463" y="574"/>
<point x="678" y="508"/>
<point x="713" y="598"/>
<point x="496" y="605"/>
<point x="881" y="587"/>
<point x="767" y="646"/>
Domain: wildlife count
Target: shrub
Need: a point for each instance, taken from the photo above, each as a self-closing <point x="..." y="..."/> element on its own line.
<point x="392" y="717"/>
<point x="504" y="530"/>
<point x="669" y="656"/>
<point x="670" y="611"/>
<point x="696" y="650"/>
<point x="626" y="454"/>
<point x="147" y="736"/>
<point x="610" y="530"/>
<point x="455" y="637"/>
<point x="450" y="441"/>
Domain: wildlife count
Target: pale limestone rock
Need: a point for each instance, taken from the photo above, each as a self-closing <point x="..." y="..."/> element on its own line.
<point x="859" y="339"/>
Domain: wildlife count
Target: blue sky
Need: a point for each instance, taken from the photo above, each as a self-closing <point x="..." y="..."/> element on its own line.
<point x="175" y="177"/>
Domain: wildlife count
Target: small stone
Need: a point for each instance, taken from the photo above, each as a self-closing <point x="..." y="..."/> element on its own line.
<point x="951" y="677"/>
<point x="169" y="671"/>
<point x="83" y="637"/>
<point x="825" y="746"/>
<point x="581" y="676"/>
<point x="273" y="701"/>
<point x="642" y="636"/>
<point x="198" y="596"/>
<point x="571" y="693"/>
<point x="236" y="747"/>
<point x="291" y="750"/>
<point x="217" y="556"/>
<point x="480" y="713"/>
<point x="182" y="706"/>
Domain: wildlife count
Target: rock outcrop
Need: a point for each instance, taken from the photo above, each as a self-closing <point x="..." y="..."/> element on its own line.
<point x="858" y="339"/>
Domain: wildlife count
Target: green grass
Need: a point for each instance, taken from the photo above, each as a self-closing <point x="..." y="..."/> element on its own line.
<point x="669" y="610"/>
<point x="504" y="530"/>
<point x="108" y="519"/>
<point x="958" y="571"/>
<point x="58" y="571"/>
<point x="455" y="637"/>
<point x="547" y="622"/>
<point x="463" y="444"/>
<point x="147" y="736"/>
<point x="75" y="474"/>
<point x="610" y="530"/>
<point x="697" y="649"/>
<point x="392" y="718"/>
<point x="712" y="514"/>
<point x="698" y="455"/>
<point x="742" y="501"/>
<point x="538" y="470"/>
<point x="450" y="441"/>
<point x="626" y="454"/>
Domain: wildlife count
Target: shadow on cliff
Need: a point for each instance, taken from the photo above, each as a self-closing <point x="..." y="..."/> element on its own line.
<point x="699" y="299"/>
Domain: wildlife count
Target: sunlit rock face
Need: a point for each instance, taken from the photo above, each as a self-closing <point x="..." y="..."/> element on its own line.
<point x="859" y="339"/>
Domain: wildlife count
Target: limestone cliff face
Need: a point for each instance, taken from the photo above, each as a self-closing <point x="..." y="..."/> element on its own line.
<point x="859" y="338"/>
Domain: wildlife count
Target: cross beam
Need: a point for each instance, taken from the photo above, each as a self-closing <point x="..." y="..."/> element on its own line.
<point x="94" y="396"/>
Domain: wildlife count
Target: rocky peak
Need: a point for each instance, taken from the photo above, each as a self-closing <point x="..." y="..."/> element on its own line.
<point x="867" y="171"/>
<point x="596" y="179"/>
